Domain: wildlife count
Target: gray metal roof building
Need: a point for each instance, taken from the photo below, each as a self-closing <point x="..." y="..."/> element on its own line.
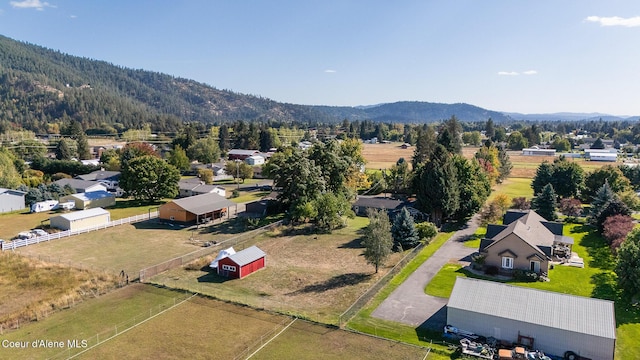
<point x="247" y="255"/>
<point x="557" y="322"/>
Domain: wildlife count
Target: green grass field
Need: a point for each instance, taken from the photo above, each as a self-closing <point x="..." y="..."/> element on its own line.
<point x="513" y="187"/>
<point x="92" y="319"/>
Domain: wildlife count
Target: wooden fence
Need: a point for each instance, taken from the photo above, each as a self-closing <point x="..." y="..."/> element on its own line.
<point x="11" y="245"/>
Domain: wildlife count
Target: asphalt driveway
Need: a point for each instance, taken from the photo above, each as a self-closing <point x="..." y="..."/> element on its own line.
<point x="409" y="304"/>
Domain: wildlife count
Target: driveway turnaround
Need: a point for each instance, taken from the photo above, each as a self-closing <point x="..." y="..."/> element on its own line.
<point x="409" y="304"/>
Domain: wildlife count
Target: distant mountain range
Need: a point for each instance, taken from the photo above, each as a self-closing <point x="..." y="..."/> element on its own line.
<point x="40" y="87"/>
<point x="567" y="116"/>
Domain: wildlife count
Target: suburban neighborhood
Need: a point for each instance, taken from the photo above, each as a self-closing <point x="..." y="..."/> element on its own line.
<point x="215" y="180"/>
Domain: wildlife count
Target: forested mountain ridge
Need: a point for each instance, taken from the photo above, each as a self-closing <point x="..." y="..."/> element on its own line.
<point x="40" y="86"/>
<point x="414" y="112"/>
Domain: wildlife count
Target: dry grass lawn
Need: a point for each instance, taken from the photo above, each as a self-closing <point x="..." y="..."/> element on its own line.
<point x="130" y="247"/>
<point x="313" y="276"/>
<point x="383" y="156"/>
<point x="32" y="290"/>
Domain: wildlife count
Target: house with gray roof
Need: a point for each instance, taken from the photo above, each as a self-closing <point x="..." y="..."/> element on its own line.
<point x="81" y="186"/>
<point x="552" y="322"/>
<point x="195" y="186"/>
<point x="524" y="241"/>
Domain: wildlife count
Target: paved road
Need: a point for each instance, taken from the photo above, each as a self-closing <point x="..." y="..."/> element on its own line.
<point x="409" y="304"/>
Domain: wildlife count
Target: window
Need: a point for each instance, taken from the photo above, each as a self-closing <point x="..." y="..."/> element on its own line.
<point x="507" y="262"/>
<point x="229" y="268"/>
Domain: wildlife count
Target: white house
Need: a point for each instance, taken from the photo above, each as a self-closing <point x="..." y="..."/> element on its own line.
<point x="254" y="160"/>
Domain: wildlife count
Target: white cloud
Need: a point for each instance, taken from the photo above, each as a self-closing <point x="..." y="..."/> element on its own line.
<point x="508" y="73"/>
<point x="73" y="16"/>
<point x="530" y="72"/>
<point x="329" y="71"/>
<point x="31" y="4"/>
<point x="615" y="21"/>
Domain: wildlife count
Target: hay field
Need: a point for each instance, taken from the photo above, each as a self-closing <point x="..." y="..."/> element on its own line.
<point x="383" y="156"/>
<point x="313" y="276"/>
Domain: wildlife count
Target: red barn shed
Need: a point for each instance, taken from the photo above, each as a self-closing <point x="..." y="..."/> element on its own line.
<point x="242" y="263"/>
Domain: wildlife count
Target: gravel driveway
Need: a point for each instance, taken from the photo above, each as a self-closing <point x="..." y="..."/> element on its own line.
<point x="409" y="304"/>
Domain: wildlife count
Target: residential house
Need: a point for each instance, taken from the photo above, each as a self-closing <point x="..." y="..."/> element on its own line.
<point x="110" y="179"/>
<point x="81" y="186"/>
<point x="524" y="241"/>
<point x="192" y="187"/>
<point x="255" y="160"/>
<point x="363" y="203"/>
<point x="241" y="154"/>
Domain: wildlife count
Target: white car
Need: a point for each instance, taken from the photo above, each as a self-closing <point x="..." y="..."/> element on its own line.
<point x="39" y="232"/>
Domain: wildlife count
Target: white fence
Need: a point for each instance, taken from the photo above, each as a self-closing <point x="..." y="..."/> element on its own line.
<point x="62" y="234"/>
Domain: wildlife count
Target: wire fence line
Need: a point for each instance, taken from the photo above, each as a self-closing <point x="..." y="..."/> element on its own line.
<point x="373" y="290"/>
<point x="147" y="273"/>
<point x="85" y="344"/>
<point x="12" y="245"/>
<point x="265" y="338"/>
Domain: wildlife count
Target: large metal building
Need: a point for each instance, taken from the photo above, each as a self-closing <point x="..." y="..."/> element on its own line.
<point x="89" y="200"/>
<point x="11" y="200"/>
<point x="199" y="208"/>
<point x="81" y="219"/>
<point x="554" y="322"/>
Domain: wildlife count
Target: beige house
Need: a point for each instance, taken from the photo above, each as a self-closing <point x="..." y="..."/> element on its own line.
<point x="81" y="219"/>
<point x="525" y="241"/>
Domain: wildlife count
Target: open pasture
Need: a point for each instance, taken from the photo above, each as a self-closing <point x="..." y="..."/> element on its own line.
<point x="129" y="247"/>
<point x="383" y="156"/>
<point x="304" y="340"/>
<point x="313" y="276"/>
<point x="93" y="319"/>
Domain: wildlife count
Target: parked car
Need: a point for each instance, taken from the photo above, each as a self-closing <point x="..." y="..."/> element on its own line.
<point x="39" y="232"/>
<point x="25" y="235"/>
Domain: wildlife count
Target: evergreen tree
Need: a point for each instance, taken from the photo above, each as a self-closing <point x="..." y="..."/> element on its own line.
<point x="425" y="145"/>
<point x="603" y="196"/>
<point x="436" y="186"/>
<point x="545" y="204"/>
<point x="475" y="187"/>
<point x="377" y="240"/>
<point x="405" y="235"/>
<point x="84" y="152"/>
<point x="489" y="129"/>
<point x="62" y="150"/>
<point x="505" y="164"/>
<point x="223" y="138"/>
<point x="9" y="176"/>
<point x="611" y="208"/>
<point x="628" y="264"/>
<point x="544" y="176"/>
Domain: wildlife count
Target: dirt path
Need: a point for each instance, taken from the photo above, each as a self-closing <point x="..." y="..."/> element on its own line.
<point x="409" y="304"/>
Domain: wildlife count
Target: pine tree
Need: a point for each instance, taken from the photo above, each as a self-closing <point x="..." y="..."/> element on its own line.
<point x="544" y="176"/>
<point x="62" y="150"/>
<point x="84" y="152"/>
<point x="628" y="264"/>
<point x="603" y="196"/>
<point x="436" y="186"/>
<point x="405" y="235"/>
<point x="546" y="204"/>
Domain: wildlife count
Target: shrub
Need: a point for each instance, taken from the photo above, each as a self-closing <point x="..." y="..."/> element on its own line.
<point x="426" y="230"/>
<point x="524" y="275"/>
<point x="570" y="207"/>
<point x="520" y="203"/>
<point x="235" y="194"/>
<point x="491" y="270"/>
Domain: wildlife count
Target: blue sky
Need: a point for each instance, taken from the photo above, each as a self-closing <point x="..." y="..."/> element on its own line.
<point x="518" y="56"/>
